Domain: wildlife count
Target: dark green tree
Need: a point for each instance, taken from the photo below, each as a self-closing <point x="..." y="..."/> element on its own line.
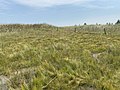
<point x="118" y="22"/>
<point x="85" y="23"/>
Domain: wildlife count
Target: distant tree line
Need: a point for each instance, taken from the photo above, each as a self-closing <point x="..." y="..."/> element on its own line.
<point x="118" y="22"/>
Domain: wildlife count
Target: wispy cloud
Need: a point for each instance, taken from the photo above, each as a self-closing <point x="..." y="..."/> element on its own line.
<point x="49" y="3"/>
<point x="3" y="6"/>
<point x="101" y="4"/>
<point x="97" y="4"/>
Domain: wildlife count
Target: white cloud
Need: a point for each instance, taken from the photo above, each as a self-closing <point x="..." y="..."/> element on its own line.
<point x="101" y="4"/>
<point x="49" y="3"/>
<point x="98" y="6"/>
<point x="3" y="3"/>
<point x="3" y="6"/>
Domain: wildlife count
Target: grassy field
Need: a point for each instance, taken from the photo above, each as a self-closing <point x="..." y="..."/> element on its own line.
<point x="44" y="57"/>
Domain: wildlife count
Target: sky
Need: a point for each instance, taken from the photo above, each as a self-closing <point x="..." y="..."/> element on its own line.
<point x="59" y="12"/>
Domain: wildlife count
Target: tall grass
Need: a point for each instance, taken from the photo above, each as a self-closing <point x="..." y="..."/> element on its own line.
<point x="43" y="57"/>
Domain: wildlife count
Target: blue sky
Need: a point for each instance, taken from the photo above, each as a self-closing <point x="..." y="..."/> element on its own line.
<point x="59" y="12"/>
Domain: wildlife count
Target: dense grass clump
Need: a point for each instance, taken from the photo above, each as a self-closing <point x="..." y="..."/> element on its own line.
<point x="51" y="58"/>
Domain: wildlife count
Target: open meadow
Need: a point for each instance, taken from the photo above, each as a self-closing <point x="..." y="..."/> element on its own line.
<point x="45" y="57"/>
